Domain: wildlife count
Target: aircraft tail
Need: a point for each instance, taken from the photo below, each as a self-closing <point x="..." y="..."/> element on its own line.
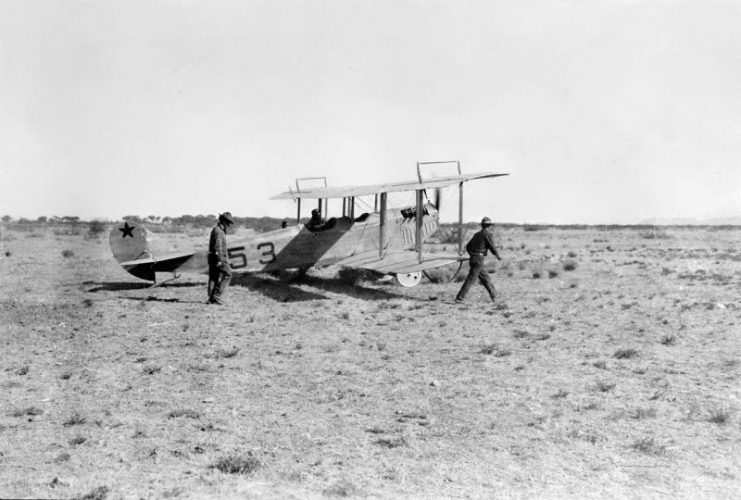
<point x="130" y="245"/>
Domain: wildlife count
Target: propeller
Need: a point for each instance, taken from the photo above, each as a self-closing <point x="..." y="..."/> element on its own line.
<point x="438" y="197"/>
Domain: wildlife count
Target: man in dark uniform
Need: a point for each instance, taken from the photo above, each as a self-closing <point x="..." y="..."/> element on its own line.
<point x="316" y="219"/>
<point x="219" y="272"/>
<point x="477" y="248"/>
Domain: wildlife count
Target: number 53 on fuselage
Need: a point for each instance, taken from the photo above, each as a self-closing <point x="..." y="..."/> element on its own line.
<point x="383" y="239"/>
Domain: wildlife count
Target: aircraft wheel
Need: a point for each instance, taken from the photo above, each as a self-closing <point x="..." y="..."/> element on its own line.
<point x="408" y="279"/>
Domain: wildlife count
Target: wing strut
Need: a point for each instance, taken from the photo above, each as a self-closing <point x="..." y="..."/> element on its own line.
<point x="382" y="225"/>
<point x="418" y="229"/>
<point x="460" y="219"/>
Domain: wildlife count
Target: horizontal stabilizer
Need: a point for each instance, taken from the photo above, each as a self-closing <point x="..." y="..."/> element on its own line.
<point x="400" y="261"/>
<point x="161" y="259"/>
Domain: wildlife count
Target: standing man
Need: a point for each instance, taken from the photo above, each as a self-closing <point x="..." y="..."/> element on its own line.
<point x="477" y="248"/>
<point x="219" y="272"/>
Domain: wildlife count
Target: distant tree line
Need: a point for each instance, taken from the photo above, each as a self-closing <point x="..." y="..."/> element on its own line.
<point x="262" y="224"/>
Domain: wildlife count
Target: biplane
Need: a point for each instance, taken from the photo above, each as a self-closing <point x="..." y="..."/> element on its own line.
<point x="387" y="240"/>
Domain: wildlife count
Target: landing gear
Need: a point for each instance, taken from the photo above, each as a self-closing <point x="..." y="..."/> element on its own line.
<point x="408" y="280"/>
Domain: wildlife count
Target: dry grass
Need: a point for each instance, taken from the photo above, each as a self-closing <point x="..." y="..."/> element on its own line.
<point x="719" y="416"/>
<point x="628" y="353"/>
<point x="30" y="411"/>
<point x="74" y="419"/>
<point x="237" y="463"/>
<point x="373" y="390"/>
<point x="649" y="446"/>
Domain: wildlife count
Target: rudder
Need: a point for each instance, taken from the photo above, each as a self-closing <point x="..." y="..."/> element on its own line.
<point x="131" y="243"/>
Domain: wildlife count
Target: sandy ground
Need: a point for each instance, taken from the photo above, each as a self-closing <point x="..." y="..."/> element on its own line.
<point x="619" y="378"/>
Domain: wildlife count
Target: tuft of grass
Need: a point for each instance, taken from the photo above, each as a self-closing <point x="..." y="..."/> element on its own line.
<point x="572" y="254"/>
<point x="62" y="457"/>
<point x="592" y="405"/>
<point x="520" y="334"/>
<point x="626" y="353"/>
<point x="31" y="410"/>
<point x="75" y="419"/>
<point x="394" y="442"/>
<point x="151" y="370"/>
<point x="99" y="493"/>
<point x="236" y="463"/>
<point x="552" y="273"/>
<point x="603" y="386"/>
<point x="719" y="416"/>
<point x="641" y="413"/>
<point x="494" y="349"/>
<point x="77" y="440"/>
<point x="184" y="412"/>
<point x="668" y="340"/>
<point x="67" y="254"/>
<point x="560" y="394"/>
<point x="536" y="274"/>
<point x="23" y="370"/>
<point x="227" y="353"/>
<point x="488" y="349"/>
<point x="569" y="265"/>
<point x="601" y="364"/>
<point x="648" y="446"/>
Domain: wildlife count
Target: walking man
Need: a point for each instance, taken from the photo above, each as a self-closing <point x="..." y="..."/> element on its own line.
<point x="219" y="272"/>
<point x="477" y="248"/>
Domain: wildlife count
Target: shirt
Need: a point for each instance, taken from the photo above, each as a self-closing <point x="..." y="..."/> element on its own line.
<point x="481" y="242"/>
<point x="217" y="244"/>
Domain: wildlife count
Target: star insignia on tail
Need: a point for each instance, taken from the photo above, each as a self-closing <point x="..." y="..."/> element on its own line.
<point x="127" y="230"/>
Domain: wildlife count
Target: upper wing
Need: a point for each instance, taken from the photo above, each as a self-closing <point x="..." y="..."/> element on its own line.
<point x="347" y="191"/>
<point x="399" y="261"/>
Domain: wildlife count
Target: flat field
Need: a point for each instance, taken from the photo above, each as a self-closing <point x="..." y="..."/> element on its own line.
<point x="610" y="368"/>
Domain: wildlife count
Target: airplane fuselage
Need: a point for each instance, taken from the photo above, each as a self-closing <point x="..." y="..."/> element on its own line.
<point x="302" y="246"/>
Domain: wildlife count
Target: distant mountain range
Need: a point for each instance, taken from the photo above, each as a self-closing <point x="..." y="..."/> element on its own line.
<point x="691" y="221"/>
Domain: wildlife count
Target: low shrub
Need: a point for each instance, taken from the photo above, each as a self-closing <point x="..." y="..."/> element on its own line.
<point x="569" y="265"/>
<point x="235" y="463"/>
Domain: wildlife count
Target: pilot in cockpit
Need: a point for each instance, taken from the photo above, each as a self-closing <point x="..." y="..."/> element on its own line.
<point x="316" y="219"/>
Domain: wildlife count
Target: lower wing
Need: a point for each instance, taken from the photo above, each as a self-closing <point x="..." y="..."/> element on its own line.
<point x="400" y="261"/>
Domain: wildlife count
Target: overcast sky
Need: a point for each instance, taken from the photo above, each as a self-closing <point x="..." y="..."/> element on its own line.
<point x="602" y="112"/>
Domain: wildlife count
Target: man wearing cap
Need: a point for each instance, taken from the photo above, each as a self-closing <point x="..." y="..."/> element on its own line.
<point x="477" y="248"/>
<point x="219" y="272"/>
<point x="316" y="219"/>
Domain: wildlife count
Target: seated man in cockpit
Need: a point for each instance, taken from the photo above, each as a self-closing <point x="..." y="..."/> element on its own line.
<point x="316" y="219"/>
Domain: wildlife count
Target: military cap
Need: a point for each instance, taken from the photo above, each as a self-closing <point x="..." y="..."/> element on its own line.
<point x="226" y="216"/>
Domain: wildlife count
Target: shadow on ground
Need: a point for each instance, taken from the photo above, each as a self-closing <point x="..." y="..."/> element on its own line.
<point x="119" y="286"/>
<point x="152" y="298"/>
<point x="280" y="291"/>
<point x="358" y="291"/>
